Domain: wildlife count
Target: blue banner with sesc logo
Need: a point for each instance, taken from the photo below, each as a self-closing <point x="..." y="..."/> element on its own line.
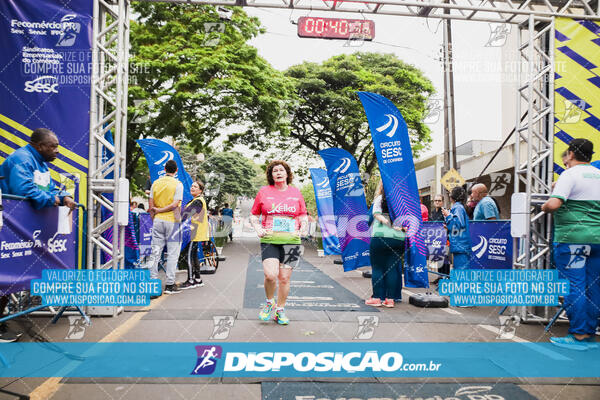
<point x="492" y="245"/>
<point x="324" y="199"/>
<point x="29" y="243"/>
<point x="350" y="206"/>
<point x="395" y="160"/>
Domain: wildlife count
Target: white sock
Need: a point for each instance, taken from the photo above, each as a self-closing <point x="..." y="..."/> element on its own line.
<point x="279" y="309"/>
<point x="271" y="301"/>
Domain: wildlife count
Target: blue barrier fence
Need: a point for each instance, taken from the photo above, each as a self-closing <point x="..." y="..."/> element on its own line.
<point x="491" y="243"/>
<point x="29" y="243"/>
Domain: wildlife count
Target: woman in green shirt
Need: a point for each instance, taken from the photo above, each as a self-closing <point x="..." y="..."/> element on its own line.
<point x="387" y="251"/>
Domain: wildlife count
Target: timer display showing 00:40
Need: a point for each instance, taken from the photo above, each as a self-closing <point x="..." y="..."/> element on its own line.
<point x="336" y="28"/>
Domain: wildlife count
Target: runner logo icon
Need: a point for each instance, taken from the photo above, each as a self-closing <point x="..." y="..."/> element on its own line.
<point x="207" y="359"/>
<point x="579" y="255"/>
<point x="70" y="29"/>
<point x="393" y="121"/>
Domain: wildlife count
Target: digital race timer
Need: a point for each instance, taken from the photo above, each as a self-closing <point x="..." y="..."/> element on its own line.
<point x="336" y="28"/>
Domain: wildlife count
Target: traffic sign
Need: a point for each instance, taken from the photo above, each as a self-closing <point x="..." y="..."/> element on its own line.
<point x="451" y="179"/>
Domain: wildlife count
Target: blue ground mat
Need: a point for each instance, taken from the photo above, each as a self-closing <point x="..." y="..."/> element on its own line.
<point x="310" y="289"/>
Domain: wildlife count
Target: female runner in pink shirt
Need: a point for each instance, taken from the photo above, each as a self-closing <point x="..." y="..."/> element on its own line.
<point x="284" y="222"/>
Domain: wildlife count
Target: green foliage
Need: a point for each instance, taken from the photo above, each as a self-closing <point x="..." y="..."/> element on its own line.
<point x="239" y="172"/>
<point x="328" y="113"/>
<point x="309" y="198"/>
<point x="192" y="83"/>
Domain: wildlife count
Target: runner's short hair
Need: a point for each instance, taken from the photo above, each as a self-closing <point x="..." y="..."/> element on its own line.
<point x="171" y="166"/>
<point x="275" y="163"/>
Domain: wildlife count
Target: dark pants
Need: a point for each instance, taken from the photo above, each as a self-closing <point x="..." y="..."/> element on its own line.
<point x="386" y="266"/>
<point x="188" y="260"/>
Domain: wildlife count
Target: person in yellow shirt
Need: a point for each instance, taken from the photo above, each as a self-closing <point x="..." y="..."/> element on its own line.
<point x="165" y="209"/>
<point x="197" y="212"/>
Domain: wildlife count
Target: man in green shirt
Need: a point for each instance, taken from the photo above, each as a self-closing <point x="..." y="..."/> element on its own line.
<point x="575" y="203"/>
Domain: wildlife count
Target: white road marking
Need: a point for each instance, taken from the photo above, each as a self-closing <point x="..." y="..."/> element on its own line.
<point x="310" y="298"/>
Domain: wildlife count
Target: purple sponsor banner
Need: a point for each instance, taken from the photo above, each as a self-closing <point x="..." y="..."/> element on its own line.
<point x="29" y="244"/>
<point x="145" y="235"/>
<point x="434" y="236"/>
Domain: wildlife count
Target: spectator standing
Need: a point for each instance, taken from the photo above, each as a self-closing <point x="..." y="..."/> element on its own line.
<point x="457" y="223"/>
<point x="387" y="252"/>
<point x="227" y="217"/>
<point x="436" y="211"/>
<point x="424" y="212"/>
<point x="196" y="211"/>
<point x="166" y="194"/>
<point x="438" y="215"/>
<point x="26" y="174"/>
<point x="486" y="208"/>
<point x="470" y="206"/>
<point x="575" y="203"/>
<point x="139" y="209"/>
<point x="147" y="185"/>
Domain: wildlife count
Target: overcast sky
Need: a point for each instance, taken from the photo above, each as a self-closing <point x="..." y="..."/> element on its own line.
<point x="416" y="41"/>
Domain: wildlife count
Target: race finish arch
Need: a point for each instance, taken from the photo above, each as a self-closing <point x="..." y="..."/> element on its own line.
<point x="536" y="20"/>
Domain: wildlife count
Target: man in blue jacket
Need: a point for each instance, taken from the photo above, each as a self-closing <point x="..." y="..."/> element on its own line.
<point x="26" y="172"/>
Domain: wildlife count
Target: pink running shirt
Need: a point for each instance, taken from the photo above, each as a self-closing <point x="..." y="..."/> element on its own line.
<point x="280" y="211"/>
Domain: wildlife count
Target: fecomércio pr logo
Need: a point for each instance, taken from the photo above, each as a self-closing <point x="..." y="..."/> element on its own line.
<point x="207" y="359"/>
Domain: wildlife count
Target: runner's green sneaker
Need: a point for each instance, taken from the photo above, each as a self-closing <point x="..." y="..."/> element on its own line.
<point x="265" y="312"/>
<point x="280" y="317"/>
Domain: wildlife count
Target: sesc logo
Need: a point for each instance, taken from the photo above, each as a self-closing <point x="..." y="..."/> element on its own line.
<point x="343" y="167"/>
<point x="325" y="183"/>
<point x="393" y="122"/>
<point x="481" y="247"/>
<point x="43" y="84"/>
<point x="207" y="359"/>
<point x="57" y="245"/>
<point x="167" y="156"/>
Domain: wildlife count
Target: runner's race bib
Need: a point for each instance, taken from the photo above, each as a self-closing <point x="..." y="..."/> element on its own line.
<point x="284" y="224"/>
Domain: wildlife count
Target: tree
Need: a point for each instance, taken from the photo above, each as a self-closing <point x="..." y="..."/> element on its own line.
<point x="328" y="113"/>
<point x="188" y="80"/>
<point x="239" y="175"/>
<point x="308" y="193"/>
